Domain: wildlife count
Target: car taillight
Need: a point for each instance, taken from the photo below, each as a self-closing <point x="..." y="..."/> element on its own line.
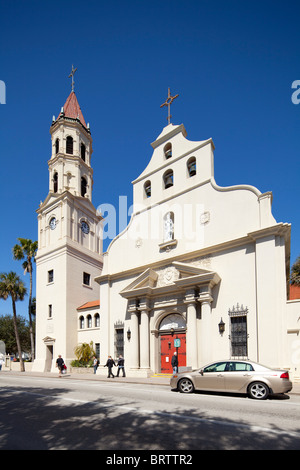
<point x="285" y="375"/>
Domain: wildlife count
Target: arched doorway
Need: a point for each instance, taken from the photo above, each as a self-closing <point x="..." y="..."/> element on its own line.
<point x="172" y="331"/>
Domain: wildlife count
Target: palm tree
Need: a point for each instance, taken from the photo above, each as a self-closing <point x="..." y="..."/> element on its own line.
<point x="84" y="352"/>
<point x="12" y="286"/>
<point x="27" y="249"/>
<point x="295" y="272"/>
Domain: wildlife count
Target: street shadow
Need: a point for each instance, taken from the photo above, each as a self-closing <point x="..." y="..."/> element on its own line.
<point x="275" y="396"/>
<point x="39" y="419"/>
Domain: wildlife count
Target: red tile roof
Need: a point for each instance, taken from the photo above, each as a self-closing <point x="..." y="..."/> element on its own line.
<point x="93" y="303"/>
<point x="72" y="109"/>
<point x="294" y="292"/>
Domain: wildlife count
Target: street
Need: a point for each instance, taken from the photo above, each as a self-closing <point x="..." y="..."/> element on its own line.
<point x="41" y="413"/>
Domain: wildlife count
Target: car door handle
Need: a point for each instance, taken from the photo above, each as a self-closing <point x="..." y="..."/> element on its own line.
<point x="220" y="375"/>
<point x="246" y="375"/>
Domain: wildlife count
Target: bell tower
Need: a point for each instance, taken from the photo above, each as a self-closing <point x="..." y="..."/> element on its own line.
<point x="69" y="238"/>
<point x="70" y="164"/>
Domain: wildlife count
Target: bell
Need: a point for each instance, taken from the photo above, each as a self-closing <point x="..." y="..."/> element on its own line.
<point x="169" y="182"/>
<point x="148" y="190"/>
<point x="192" y="169"/>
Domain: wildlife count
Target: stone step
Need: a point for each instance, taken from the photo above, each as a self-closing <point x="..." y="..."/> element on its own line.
<point x="162" y="375"/>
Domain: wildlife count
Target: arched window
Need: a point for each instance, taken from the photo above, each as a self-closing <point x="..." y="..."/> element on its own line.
<point x="89" y="321"/>
<point x="81" y="322"/>
<point x="82" y="151"/>
<point x="168" y="179"/>
<point x="191" y="166"/>
<point x="174" y="321"/>
<point x="55" y="182"/>
<point x="57" y="146"/>
<point x="169" y="226"/>
<point x="69" y="145"/>
<point x="168" y="150"/>
<point x="147" y="188"/>
<point x="97" y="320"/>
<point x="83" y="186"/>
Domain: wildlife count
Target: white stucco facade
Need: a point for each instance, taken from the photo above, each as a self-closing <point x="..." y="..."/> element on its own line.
<point x="195" y="257"/>
<point x="224" y="258"/>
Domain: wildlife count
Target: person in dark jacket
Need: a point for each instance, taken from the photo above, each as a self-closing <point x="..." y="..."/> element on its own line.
<point x="120" y="365"/>
<point x="174" y="362"/>
<point x="60" y="365"/>
<point x="110" y="363"/>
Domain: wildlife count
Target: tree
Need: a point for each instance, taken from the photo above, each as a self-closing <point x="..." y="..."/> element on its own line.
<point x="12" y="286"/>
<point x="7" y="333"/>
<point x="84" y="352"/>
<point x="27" y="249"/>
<point x="295" y="272"/>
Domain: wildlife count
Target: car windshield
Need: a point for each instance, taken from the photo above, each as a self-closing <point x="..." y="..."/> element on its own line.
<point x="217" y="367"/>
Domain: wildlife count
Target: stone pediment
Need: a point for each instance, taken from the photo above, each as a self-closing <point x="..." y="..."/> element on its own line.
<point x="48" y="340"/>
<point x="144" y="281"/>
<point x="175" y="276"/>
<point x="189" y="269"/>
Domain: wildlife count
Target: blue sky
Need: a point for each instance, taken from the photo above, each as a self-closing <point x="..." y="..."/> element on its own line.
<point x="232" y="62"/>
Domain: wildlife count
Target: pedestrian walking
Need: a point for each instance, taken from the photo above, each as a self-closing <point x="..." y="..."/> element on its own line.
<point x="95" y="364"/>
<point x="110" y="363"/>
<point x="60" y="365"/>
<point x="121" y="366"/>
<point x="174" y="362"/>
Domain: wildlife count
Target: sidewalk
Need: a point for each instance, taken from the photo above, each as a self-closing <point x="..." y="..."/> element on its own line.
<point x="91" y="377"/>
<point x="101" y="378"/>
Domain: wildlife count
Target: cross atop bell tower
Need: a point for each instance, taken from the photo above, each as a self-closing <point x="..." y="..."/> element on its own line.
<point x="72" y="75"/>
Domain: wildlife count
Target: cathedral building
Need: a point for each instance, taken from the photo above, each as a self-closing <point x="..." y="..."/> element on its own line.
<point x="200" y="269"/>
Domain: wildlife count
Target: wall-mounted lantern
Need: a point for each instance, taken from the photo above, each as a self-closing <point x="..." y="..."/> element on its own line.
<point x="221" y="327"/>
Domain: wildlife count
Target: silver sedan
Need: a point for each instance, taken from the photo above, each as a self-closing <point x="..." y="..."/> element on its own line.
<point x="234" y="376"/>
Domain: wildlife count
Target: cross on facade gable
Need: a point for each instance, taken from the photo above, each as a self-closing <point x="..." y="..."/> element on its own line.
<point x="168" y="103"/>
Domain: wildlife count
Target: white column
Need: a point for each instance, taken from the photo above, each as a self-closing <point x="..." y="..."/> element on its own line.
<point x="78" y="185"/>
<point x="192" y="341"/>
<point x="60" y="173"/>
<point x="144" y="340"/>
<point x="206" y="342"/>
<point x="76" y="150"/>
<point x="134" y="326"/>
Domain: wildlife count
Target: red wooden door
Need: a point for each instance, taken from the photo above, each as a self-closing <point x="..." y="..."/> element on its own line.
<point x="168" y="345"/>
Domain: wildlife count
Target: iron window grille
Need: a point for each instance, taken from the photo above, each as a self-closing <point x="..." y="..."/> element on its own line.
<point x="238" y="331"/>
<point x="119" y="339"/>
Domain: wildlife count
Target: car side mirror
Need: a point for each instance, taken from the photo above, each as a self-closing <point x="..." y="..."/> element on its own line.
<point x="201" y="371"/>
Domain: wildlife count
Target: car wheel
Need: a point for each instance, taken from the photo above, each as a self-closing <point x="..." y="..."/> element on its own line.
<point x="186" y="386"/>
<point x="258" y="390"/>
